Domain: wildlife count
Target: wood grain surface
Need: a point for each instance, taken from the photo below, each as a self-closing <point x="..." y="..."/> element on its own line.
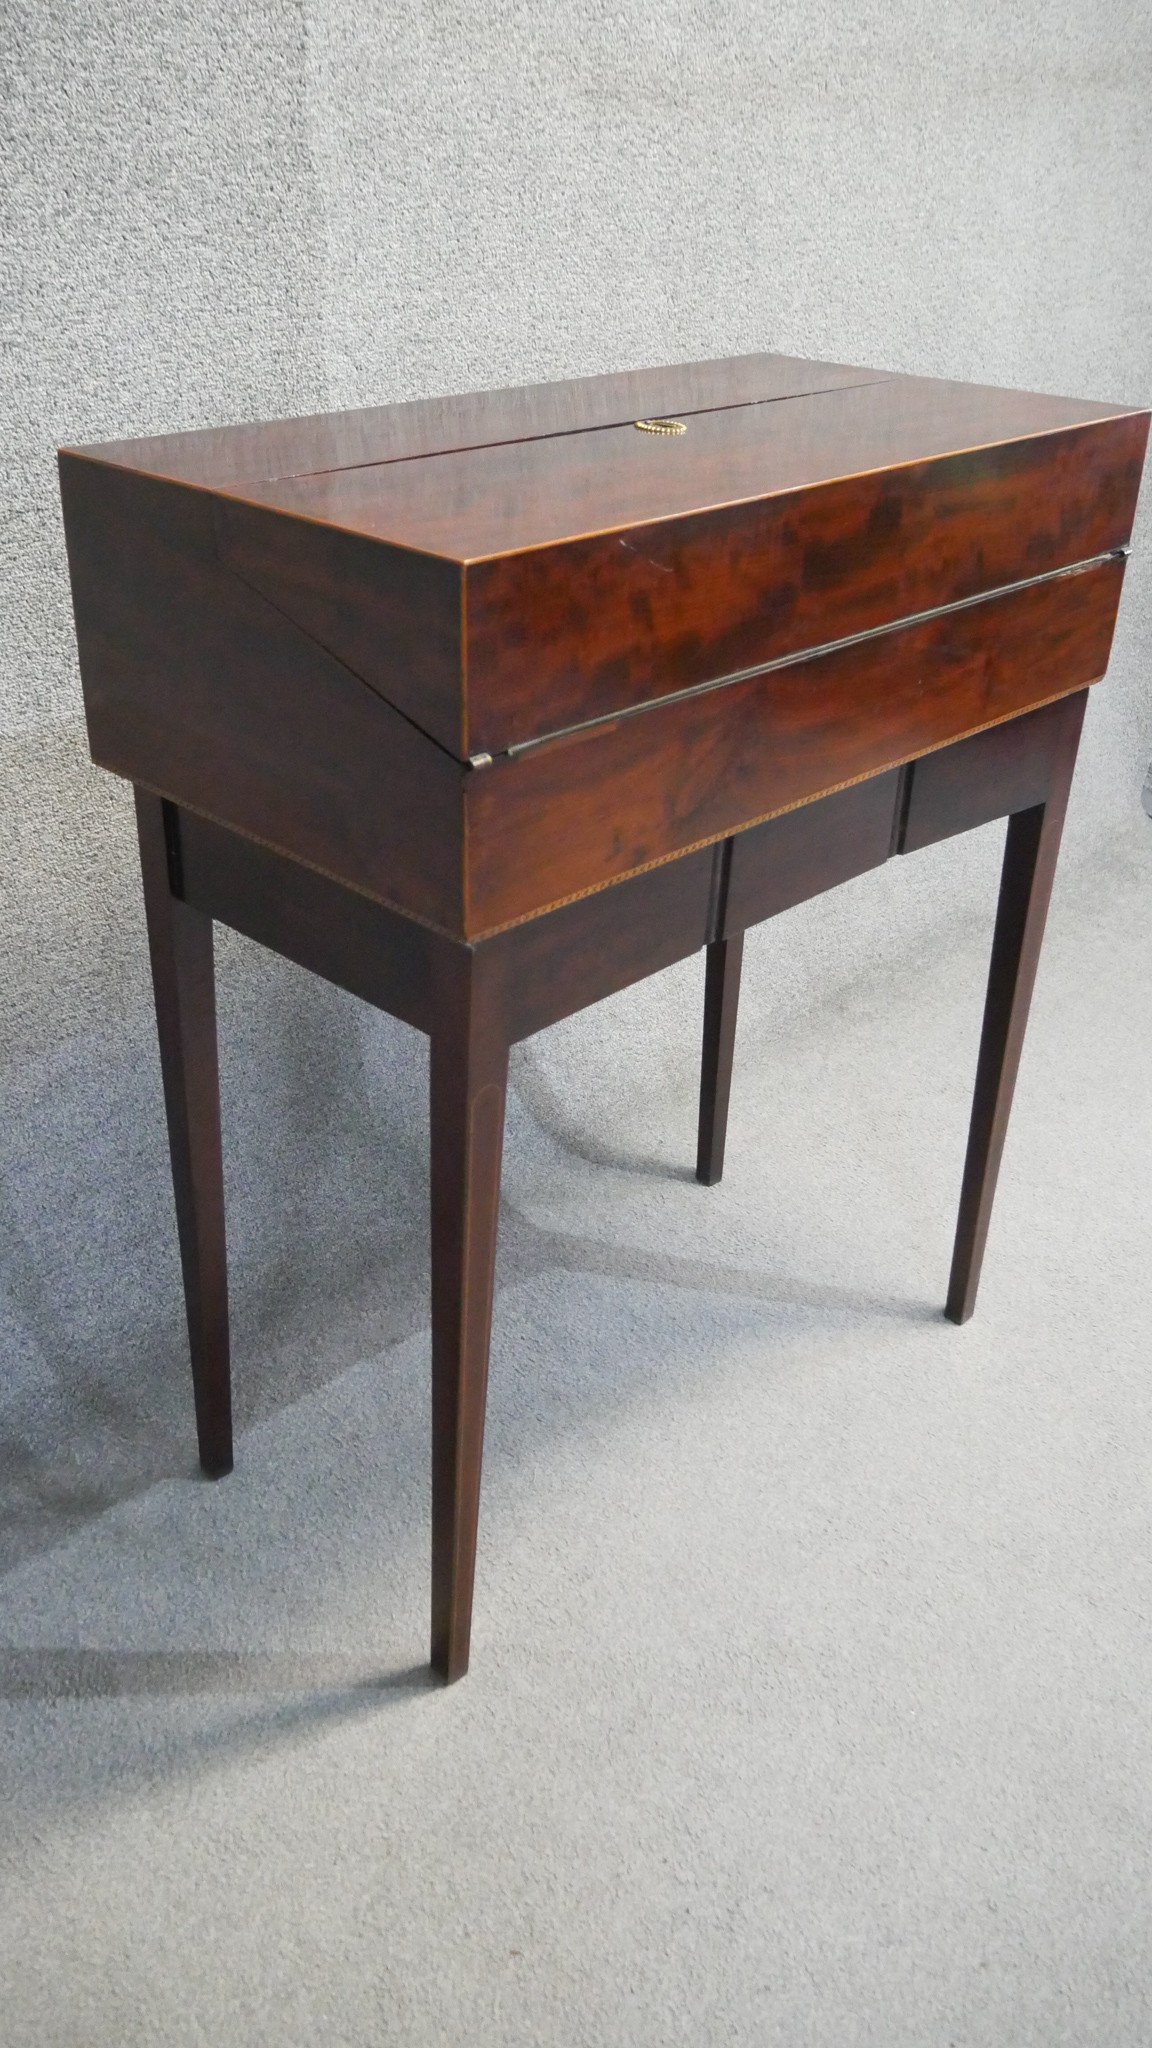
<point x="497" y="594"/>
<point x="197" y="687"/>
<point x="293" y="637"/>
<point x="473" y="504"/>
<point x="260" y="450"/>
<point x="785" y="861"/>
<point x="558" y="635"/>
<point x="1011" y="768"/>
<point x="319" y="686"/>
<point x="582" y="812"/>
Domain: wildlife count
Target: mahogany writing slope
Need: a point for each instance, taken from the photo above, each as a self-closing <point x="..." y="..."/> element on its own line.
<point x="485" y="707"/>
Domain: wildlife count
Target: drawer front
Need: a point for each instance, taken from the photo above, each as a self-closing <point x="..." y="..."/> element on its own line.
<point x="575" y="814"/>
<point x="790" y="858"/>
<point x="1010" y="768"/>
<point x="547" y="968"/>
<point x="590" y="627"/>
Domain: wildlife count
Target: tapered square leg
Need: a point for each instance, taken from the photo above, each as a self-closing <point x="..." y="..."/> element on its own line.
<point x="469" y="1073"/>
<point x="180" y="945"/>
<point x="721" y="1000"/>
<point x="1030" y="854"/>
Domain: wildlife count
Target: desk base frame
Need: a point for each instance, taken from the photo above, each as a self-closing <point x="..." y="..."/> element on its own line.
<point x="476" y="1000"/>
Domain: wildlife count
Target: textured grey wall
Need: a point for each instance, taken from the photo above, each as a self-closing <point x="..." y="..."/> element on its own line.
<point x="214" y="212"/>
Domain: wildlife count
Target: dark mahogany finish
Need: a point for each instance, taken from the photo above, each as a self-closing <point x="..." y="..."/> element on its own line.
<point x="323" y="442"/>
<point x="1030" y="854"/>
<point x="313" y="650"/>
<point x="183" y="978"/>
<point x="721" y="996"/>
<point x="468" y="1077"/>
<point x="484" y="708"/>
<point x="803" y="852"/>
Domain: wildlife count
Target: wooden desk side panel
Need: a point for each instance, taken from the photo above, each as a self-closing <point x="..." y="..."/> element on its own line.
<point x="391" y="615"/>
<point x="587" y="810"/>
<point x="199" y="688"/>
<point x="373" y="952"/>
<point x="593" y="626"/>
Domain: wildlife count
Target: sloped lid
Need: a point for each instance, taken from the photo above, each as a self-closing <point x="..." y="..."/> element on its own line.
<point x="262" y="451"/>
<point x="469" y="505"/>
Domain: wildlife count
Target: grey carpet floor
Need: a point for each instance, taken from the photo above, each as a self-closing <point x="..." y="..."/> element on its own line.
<point x="811" y="1697"/>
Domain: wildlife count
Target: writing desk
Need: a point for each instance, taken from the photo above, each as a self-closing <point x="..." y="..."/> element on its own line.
<point x="486" y="707"/>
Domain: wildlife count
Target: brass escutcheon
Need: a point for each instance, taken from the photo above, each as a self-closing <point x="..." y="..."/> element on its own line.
<point x="660" y="426"/>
